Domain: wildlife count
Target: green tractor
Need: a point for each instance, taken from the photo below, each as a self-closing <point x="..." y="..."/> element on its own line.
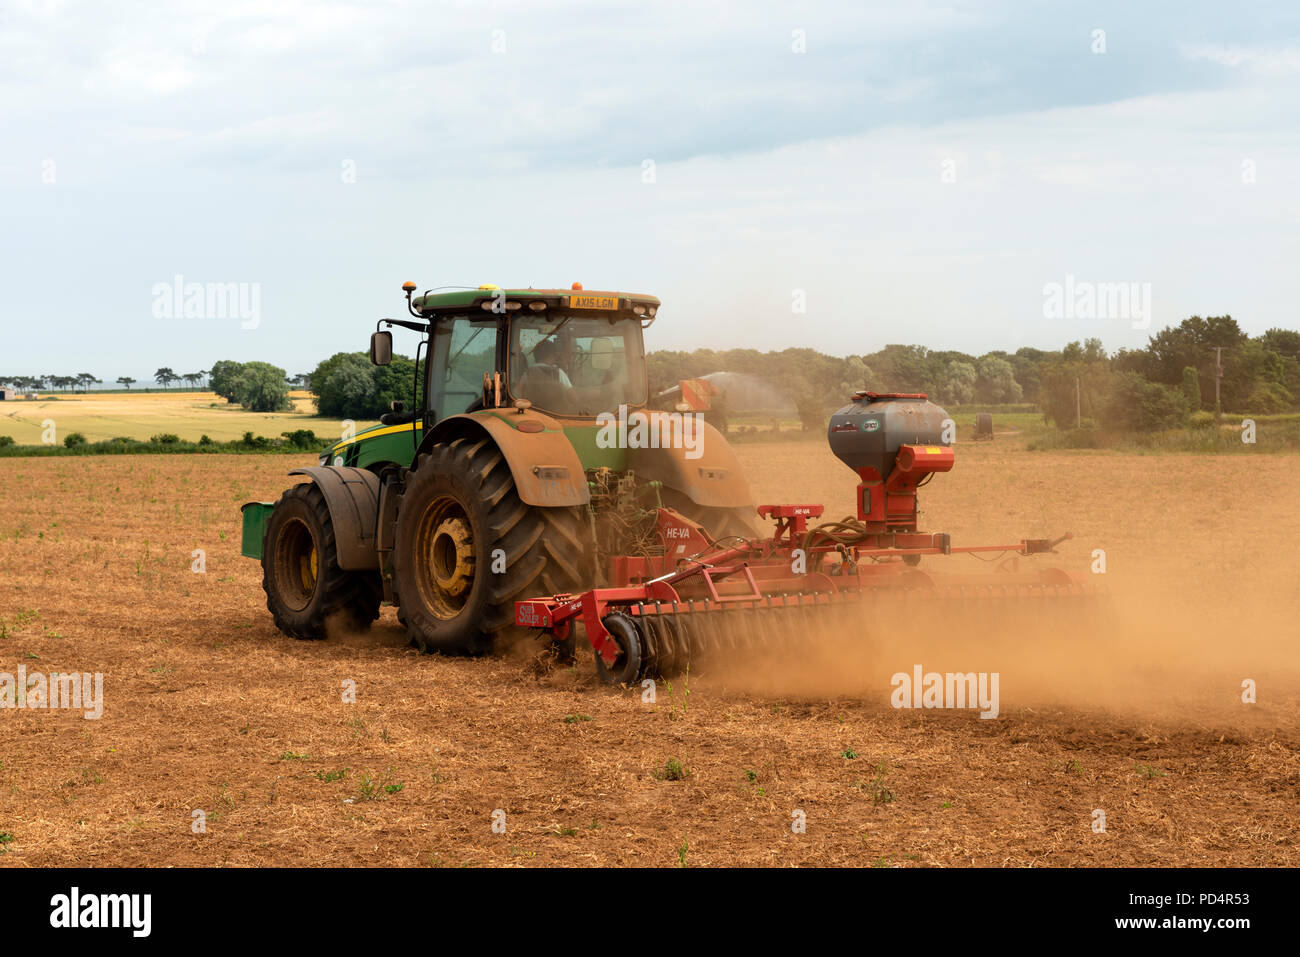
<point x="525" y="462"/>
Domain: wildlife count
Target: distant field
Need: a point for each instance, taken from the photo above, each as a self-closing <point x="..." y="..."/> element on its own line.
<point x="189" y="415"/>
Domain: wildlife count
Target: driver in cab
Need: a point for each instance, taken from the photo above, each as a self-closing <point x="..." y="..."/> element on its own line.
<point x="546" y="382"/>
<point x="547" y="361"/>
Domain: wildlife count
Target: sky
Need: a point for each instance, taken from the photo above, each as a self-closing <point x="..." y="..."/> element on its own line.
<point x="839" y="176"/>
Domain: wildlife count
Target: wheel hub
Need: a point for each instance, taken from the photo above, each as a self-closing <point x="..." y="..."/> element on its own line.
<point x="446" y="556"/>
<point x="297" y="564"/>
<point x="451" y="557"/>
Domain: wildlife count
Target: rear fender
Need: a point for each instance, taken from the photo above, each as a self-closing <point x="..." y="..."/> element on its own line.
<point x="546" y="469"/>
<point x="352" y="495"/>
<point x="708" y="473"/>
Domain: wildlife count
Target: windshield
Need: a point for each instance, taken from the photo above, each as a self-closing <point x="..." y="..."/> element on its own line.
<point x="577" y="365"/>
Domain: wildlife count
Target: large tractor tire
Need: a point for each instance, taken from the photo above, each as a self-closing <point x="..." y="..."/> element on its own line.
<point x="467" y="548"/>
<point x="306" y="591"/>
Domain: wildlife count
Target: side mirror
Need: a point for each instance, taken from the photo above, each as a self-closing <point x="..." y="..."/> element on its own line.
<point x="381" y="348"/>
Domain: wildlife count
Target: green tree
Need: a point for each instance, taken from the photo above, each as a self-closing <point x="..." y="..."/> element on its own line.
<point x="856" y="376"/>
<point x="959" y="386"/>
<point x="164" y="377"/>
<point x="1282" y="341"/>
<point x="1192" y="388"/>
<point x="328" y="386"/>
<point x="394" y="382"/>
<point x="997" y="381"/>
<point x="223" y="376"/>
<point x="1079" y="366"/>
<point x="353" y="387"/>
<point x="260" y="387"/>
<point x="1191" y="343"/>
<point x="1135" y="405"/>
<point x="1028" y="364"/>
<point x="903" y="369"/>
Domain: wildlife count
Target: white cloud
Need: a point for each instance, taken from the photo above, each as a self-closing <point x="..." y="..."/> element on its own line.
<point x="1274" y="61"/>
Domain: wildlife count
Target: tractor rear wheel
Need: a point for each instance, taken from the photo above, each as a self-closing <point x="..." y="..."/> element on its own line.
<point x="467" y="548"/>
<point x="306" y="590"/>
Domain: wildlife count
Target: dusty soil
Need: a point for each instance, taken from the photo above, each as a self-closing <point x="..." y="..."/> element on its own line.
<point x="1136" y="713"/>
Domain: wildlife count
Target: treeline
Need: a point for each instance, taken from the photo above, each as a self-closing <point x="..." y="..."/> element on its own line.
<point x="165" y="377"/>
<point x="1146" y="389"/>
<point x="37" y="383"/>
<point x="815" y="382"/>
<point x="84" y="380"/>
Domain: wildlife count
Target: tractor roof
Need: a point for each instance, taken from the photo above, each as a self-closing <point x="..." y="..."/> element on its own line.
<point x="468" y="301"/>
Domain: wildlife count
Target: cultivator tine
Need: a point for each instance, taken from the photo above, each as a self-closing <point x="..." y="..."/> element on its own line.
<point x="753" y="630"/>
<point x="665" y="651"/>
<point x="649" y="656"/>
<point x="721" y="641"/>
<point x="697" y="625"/>
<point x="749" y="630"/>
<point x="771" y="626"/>
<point x="724" y="644"/>
<point x="682" y="647"/>
<point x="771" y="621"/>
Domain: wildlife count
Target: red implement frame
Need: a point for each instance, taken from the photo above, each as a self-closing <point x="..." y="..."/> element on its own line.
<point x="695" y="575"/>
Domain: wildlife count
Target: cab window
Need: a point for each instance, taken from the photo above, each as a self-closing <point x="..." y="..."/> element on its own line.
<point x="577" y="365"/>
<point x="462" y="351"/>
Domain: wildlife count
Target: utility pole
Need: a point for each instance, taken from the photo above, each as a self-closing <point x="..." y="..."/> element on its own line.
<point x="1078" y="406"/>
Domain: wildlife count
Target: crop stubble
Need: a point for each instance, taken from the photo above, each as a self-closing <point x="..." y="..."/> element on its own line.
<point x="208" y="707"/>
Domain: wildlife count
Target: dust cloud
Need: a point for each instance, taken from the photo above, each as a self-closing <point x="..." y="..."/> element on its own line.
<point x="1157" y="645"/>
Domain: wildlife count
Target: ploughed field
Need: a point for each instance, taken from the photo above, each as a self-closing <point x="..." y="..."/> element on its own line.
<point x="1134" y="711"/>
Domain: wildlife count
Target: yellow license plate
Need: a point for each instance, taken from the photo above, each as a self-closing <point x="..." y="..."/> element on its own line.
<point x="593" y="302"/>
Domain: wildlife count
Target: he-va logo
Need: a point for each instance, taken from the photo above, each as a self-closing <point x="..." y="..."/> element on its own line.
<point x="103" y="910"/>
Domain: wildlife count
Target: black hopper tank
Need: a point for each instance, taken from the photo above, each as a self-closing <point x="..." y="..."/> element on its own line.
<point x="867" y="432"/>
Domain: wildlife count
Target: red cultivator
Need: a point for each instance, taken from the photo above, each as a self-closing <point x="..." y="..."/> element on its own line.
<point x="697" y="597"/>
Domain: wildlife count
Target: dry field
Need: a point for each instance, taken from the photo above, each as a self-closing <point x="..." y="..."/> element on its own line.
<point x="208" y="707"/>
<point x="139" y="415"/>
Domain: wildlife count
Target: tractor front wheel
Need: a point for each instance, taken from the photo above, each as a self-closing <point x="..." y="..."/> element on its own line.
<point x="306" y="590"/>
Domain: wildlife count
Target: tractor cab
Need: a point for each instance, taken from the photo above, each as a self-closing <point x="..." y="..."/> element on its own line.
<point x="576" y="365"/>
<point x="568" y="353"/>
